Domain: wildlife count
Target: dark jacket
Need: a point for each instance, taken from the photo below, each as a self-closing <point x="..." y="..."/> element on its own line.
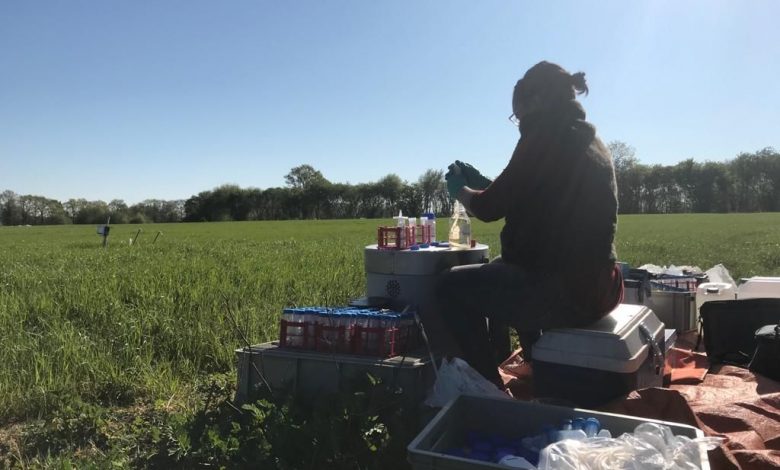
<point x="559" y="200"/>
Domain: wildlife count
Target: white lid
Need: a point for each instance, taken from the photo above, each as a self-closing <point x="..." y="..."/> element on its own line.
<point x="759" y="287"/>
<point x="714" y="287"/>
<point x="763" y="279"/>
<point x="613" y="343"/>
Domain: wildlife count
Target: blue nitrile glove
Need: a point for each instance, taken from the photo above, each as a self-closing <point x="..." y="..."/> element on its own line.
<point x="474" y="179"/>
<point x="455" y="181"/>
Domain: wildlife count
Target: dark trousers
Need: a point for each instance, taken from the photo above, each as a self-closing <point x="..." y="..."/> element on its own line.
<point x="480" y="302"/>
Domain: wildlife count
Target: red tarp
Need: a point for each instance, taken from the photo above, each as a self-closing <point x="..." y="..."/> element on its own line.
<point x="728" y="402"/>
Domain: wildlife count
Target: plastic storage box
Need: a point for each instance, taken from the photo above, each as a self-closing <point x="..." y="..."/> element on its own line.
<point x="309" y="374"/>
<point x="591" y="366"/>
<point x="675" y="309"/>
<point x="509" y="418"/>
<point x="409" y="277"/>
<point x="671" y="298"/>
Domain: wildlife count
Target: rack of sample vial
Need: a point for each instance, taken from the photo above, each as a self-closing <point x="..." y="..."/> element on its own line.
<point x="349" y="330"/>
<point x="407" y="232"/>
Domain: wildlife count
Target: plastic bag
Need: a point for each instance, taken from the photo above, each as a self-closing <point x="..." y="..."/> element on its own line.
<point x="719" y="273"/>
<point x="650" y="447"/>
<point x="672" y="270"/>
<point x="456" y="377"/>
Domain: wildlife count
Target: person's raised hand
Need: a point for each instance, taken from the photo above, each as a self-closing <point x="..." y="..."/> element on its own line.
<point x="455" y="180"/>
<point x="474" y="179"/>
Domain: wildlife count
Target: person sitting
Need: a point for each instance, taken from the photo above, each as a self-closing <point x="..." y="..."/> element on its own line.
<point x="558" y="197"/>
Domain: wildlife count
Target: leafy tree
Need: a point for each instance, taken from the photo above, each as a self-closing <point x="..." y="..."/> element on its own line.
<point x="390" y="188"/>
<point x="303" y="177"/>
<point x="10" y="212"/>
<point x="431" y="184"/>
<point x="92" y="212"/>
<point x="629" y="174"/>
<point x="118" y="211"/>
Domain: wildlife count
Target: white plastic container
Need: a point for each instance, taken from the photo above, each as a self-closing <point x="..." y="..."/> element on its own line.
<point x="496" y="416"/>
<point x="592" y="365"/>
<point x="709" y="291"/>
<point x="759" y="287"/>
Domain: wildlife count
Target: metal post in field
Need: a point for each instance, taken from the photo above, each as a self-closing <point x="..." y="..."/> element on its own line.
<point x="106" y="229"/>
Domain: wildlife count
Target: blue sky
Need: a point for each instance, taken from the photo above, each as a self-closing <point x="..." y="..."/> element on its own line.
<point x="163" y="99"/>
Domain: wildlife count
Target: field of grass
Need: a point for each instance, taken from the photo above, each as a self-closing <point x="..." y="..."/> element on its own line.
<point x="132" y="328"/>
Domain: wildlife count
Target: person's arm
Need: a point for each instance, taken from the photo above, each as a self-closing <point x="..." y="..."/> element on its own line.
<point x="465" y="195"/>
<point x="492" y="203"/>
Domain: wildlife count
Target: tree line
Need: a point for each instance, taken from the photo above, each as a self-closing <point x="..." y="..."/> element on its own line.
<point x="38" y="210"/>
<point x="307" y="194"/>
<point x="748" y="183"/>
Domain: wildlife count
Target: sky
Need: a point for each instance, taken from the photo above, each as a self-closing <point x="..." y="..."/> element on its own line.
<point x="164" y="99"/>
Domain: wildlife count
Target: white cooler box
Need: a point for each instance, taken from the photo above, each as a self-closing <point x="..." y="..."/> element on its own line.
<point x="591" y="366"/>
<point x="759" y="287"/>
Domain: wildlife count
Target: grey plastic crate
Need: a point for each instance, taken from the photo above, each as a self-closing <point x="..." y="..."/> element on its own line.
<point x="309" y="374"/>
<point x="509" y="418"/>
<point x="676" y="309"/>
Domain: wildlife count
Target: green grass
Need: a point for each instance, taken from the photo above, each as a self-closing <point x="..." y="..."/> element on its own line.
<point x="150" y="323"/>
<point x="747" y="244"/>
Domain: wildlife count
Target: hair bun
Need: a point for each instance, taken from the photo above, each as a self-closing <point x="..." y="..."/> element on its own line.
<point x="578" y="82"/>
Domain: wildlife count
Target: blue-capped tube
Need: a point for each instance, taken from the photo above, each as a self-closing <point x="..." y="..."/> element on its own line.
<point x="550" y="433"/>
<point x="367" y="340"/>
<point x="287" y="316"/>
<point x="591" y="427"/>
<point x="393" y="332"/>
<point x="297" y="331"/>
<point x="321" y="319"/>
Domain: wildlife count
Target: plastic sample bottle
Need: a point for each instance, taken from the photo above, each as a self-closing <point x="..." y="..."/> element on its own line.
<point x="708" y="291"/>
<point x="400" y="222"/>
<point x="430" y="218"/>
<point x="460" y="228"/>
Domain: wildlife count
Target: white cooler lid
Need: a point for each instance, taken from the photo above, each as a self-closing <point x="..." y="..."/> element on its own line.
<point x="613" y="343"/>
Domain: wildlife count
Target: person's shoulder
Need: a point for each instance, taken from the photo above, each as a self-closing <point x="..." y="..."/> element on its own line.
<point x="597" y="146"/>
<point x="599" y="152"/>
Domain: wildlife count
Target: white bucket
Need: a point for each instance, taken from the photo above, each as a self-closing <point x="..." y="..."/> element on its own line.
<point x="709" y="291"/>
<point x="759" y="287"/>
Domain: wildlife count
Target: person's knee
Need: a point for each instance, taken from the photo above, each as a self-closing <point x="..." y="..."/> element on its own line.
<point x="440" y="287"/>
